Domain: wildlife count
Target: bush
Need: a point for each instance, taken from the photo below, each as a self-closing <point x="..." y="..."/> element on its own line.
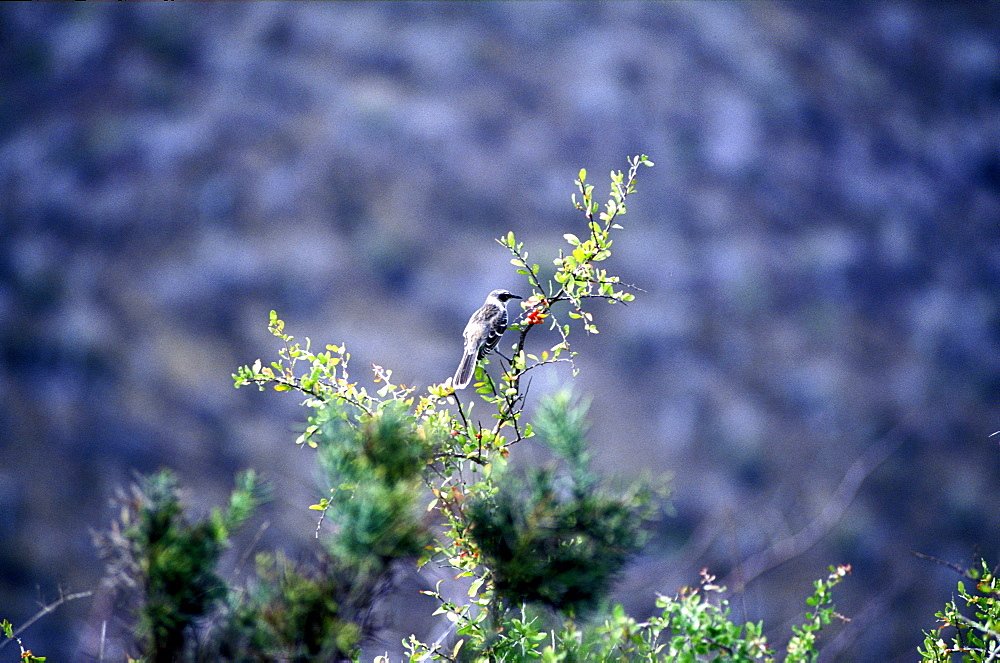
<point x="539" y="549"/>
<point x="971" y="638"/>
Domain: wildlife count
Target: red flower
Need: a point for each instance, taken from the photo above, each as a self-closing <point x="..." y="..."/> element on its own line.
<point x="535" y="316"/>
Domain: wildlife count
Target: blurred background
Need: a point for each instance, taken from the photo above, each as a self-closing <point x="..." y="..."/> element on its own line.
<point x="814" y="358"/>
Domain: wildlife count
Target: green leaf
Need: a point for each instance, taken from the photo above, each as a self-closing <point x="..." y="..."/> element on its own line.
<point x="583" y="175"/>
<point x="572" y="239"/>
<point x="476" y="584"/>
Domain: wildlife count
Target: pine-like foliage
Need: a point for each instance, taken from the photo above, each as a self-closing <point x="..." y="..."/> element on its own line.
<point x="375" y="466"/>
<point x="555" y="536"/>
<point x="164" y="566"/>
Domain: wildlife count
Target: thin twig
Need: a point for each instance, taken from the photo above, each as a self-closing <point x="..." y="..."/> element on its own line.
<point x="796" y="544"/>
<point x="981" y="627"/>
<point x="46" y="609"/>
<point x="253" y="543"/>
<point x="965" y="573"/>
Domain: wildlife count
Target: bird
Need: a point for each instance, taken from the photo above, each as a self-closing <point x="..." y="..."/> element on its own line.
<point x="482" y="334"/>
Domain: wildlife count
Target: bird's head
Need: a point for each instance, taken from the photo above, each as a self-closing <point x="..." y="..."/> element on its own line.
<point x="503" y="295"/>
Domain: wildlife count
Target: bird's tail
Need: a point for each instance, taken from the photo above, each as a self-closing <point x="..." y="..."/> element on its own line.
<point x="466" y="369"/>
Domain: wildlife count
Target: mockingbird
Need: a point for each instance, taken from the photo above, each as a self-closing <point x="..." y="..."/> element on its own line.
<point x="482" y="334"/>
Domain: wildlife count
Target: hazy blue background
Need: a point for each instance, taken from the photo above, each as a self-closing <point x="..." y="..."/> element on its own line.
<point x="818" y="244"/>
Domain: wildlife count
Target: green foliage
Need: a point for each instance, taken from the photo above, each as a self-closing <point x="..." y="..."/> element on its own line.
<point x="976" y="637"/>
<point x="292" y="613"/>
<point x="317" y="611"/>
<point x="539" y="549"/>
<point x="802" y="646"/>
<point x="385" y="448"/>
<point x="374" y="462"/>
<point x="376" y="467"/>
<point x="171" y="560"/>
<point x="695" y="625"/>
<point x="576" y="277"/>
<point x="563" y="427"/>
<point x="552" y="539"/>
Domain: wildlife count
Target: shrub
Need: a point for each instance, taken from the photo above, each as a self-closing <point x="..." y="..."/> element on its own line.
<point x="539" y="549"/>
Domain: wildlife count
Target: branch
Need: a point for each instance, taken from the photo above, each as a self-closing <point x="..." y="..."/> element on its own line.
<point x="296" y="384"/>
<point x="46" y="609"/>
<point x="798" y="543"/>
<point x="965" y="573"/>
<point x="983" y="628"/>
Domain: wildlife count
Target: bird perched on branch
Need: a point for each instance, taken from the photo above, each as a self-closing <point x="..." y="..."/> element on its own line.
<point x="482" y="334"/>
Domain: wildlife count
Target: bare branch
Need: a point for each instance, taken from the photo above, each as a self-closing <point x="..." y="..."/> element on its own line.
<point x="46" y="609"/>
<point x="798" y="543"/>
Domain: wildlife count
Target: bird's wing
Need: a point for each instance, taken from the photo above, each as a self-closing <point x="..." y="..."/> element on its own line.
<point x="480" y="325"/>
<point x="497" y="325"/>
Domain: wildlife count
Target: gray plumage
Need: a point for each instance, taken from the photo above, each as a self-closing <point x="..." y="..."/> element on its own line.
<point x="482" y="334"/>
